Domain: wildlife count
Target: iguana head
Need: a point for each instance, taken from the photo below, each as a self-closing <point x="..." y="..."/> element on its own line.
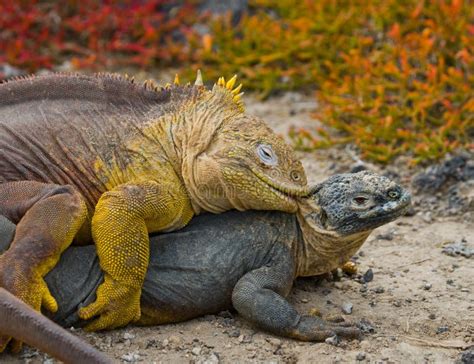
<point x="355" y="202"/>
<point x="238" y="161"/>
<point x="341" y="212"/>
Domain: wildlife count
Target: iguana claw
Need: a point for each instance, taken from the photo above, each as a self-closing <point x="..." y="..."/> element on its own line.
<point x="27" y="286"/>
<point x="116" y="305"/>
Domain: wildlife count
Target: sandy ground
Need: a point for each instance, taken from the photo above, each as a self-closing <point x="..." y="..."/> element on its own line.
<point x="419" y="307"/>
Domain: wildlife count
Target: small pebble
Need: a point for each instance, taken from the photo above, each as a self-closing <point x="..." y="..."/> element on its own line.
<point x="365" y="326"/>
<point x="131" y="357"/>
<point x="333" y="340"/>
<point x="368" y="275"/>
<point x="128" y="336"/>
<point x="379" y="289"/>
<point x="174" y="340"/>
<point x="211" y="359"/>
<point x="234" y="333"/>
<point x="347" y="308"/>
<point x="442" y="329"/>
<point x="196" y="350"/>
<point x="427" y="286"/>
<point x="360" y="356"/>
<point x="432" y="316"/>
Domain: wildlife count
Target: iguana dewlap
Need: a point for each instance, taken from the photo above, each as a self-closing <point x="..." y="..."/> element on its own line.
<point x="100" y="157"/>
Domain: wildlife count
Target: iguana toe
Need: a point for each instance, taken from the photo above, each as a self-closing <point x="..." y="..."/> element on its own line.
<point x="27" y="285"/>
<point x="116" y="306"/>
<point x="312" y="328"/>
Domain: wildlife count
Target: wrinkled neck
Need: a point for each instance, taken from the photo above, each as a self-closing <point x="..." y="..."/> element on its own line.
<point x="320" y="251"/>
<point x="197" y="129"/>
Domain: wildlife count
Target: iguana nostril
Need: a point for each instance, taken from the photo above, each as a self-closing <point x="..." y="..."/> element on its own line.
<point x="295" y="176"/>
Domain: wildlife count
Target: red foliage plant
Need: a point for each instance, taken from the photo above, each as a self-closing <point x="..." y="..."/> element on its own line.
<point x="94" y="34"/>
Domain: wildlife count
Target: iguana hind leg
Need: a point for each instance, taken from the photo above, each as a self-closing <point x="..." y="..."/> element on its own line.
<point x="48" y="217"/>
<point x="123" y="218"/>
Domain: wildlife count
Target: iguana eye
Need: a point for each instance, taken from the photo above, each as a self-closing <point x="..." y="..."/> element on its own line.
<point x="266" y="154"/>
<point x="360" y="200"/>
<point x="393" y="194"/>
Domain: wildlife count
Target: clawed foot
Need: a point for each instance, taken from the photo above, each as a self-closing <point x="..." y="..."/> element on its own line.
<point x="27" y="286"/>
<point x="116" y="306"/>
<point x="312" y="328"/>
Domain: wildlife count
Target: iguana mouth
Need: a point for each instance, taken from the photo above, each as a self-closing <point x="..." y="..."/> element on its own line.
<point x="389" y="209"/>
<point x="282" y="189"/>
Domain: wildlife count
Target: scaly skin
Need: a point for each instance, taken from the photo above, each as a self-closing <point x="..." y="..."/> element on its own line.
<point x="23" y="322"/>
<point x="245" y="260"/>
<point x="101" y="158"/>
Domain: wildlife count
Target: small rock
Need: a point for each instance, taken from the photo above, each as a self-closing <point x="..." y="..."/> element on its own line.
<point x="365" y="326"/>
<point x="131" y="357"/>
<point x="234" y="333"/>
<point x="360" y="356"/>
<point x="128" y="336"/>
<point x="368" y="276"/>
<point x="175" y="340"/>
<point x="432" y="316"/>
<point x="379" y="289"/>
<point x="333" y="340"/>
<point x="397" y="303"/>
<point x="459" y="248"/>
<point x="213" y="358"/>
<point x="427" y="286"/>
<point x="442" y="329"/>
<point x="196" y="350"/>
<point x="304" y="300"/>
<point x="243" y="339"/>
<point x="467" y="356"/>
<point x="347" y="307"/>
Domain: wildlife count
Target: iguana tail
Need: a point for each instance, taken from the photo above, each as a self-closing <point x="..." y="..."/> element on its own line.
<point x="23" y="323"/>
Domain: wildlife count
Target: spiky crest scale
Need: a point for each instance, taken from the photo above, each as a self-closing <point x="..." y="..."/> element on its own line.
<point x="151" y="85"/>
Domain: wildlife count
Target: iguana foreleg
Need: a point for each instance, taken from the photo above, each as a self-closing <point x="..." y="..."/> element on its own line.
<point x="48" y="217"/>
<point x="123" y="218"/>
<point x="259" y="297"/>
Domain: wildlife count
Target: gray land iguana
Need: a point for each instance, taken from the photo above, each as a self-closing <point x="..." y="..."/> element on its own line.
<point x="105" y="159"/>
<point x="247" y="260"/>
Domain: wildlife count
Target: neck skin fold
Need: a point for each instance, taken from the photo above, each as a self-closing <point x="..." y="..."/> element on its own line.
<point x="193" y="134"/>
<point x="320" y="251"/>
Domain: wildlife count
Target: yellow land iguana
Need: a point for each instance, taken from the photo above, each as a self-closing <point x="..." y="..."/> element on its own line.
<point x="101" y="158"/>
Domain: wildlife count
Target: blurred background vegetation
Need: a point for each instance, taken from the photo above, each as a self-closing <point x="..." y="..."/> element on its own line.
<point x="394" y="77"/>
